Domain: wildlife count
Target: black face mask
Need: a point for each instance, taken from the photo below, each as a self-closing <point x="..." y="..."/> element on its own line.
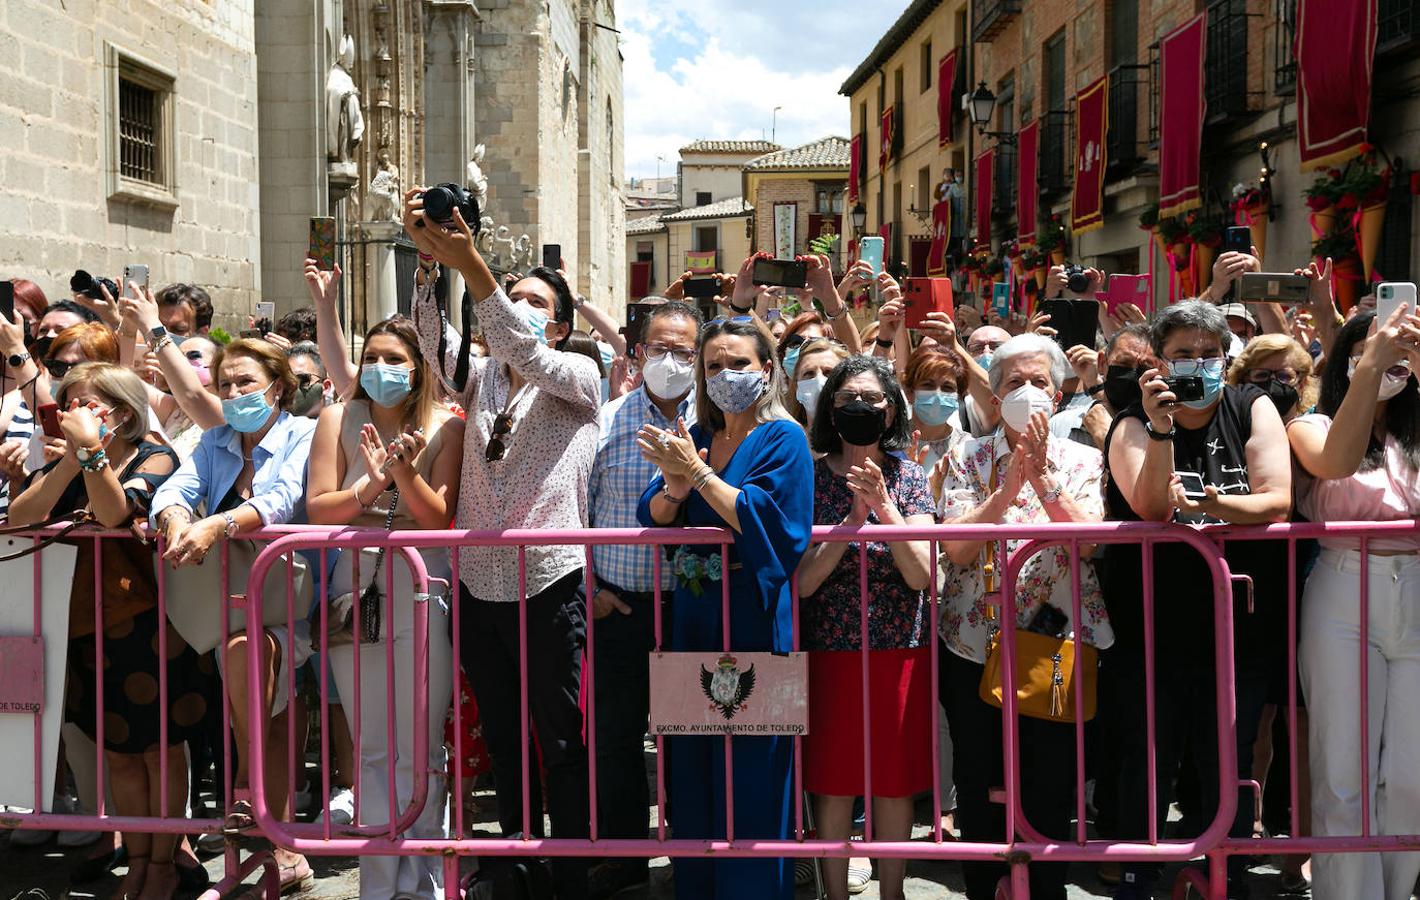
<point x="1283" y="396"/>
<point x="860" y="424"/>
<point x="1121" y="386"/>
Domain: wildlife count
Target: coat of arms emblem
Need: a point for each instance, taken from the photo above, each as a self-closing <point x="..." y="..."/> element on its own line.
<point x="727" y="687"/>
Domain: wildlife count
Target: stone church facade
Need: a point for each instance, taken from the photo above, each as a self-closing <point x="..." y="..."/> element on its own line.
<point x="199" y="137"/>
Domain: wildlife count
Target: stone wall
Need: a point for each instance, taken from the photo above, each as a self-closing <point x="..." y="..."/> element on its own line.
<point x="601" y="223"/>
<point x="58" y="114"/>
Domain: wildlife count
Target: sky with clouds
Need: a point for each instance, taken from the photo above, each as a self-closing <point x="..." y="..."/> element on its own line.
<point x="717" y="68"/>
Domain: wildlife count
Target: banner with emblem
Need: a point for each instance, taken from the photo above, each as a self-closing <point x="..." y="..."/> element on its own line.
<point x="1092" y="123"/>
<point x="729" y="693"/>
<point x="1181" y="107"/>
<point x="946" y="92"/>
<point x="886" y="138"/>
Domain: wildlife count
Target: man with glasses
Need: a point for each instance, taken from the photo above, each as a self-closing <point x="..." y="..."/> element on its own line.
<point x="623" y="604"/>
<point x="315" y="390"/>
<point x="1195" y="451"/>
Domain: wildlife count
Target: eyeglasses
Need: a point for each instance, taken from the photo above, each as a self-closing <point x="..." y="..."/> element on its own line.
<point x="679" y="354"/>
<point x="194" y="355"/>
<point x="872" y="398"/>
<point x="58" y="369"/>
<point x="1196" y="366"/>
<point x="305" y="379"/>
<point x="1263" y="376"/>
<point x="497" y="446"/>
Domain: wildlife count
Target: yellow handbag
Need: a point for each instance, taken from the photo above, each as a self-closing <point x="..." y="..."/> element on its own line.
<point x="1045" y="665"/>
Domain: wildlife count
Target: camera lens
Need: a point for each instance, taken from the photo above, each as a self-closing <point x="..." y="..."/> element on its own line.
<point x="439" y="204"/>
<point x="1078" y="282"/>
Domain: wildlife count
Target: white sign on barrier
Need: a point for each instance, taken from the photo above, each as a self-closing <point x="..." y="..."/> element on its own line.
<point x="17" y="729"/>
<point x="729" y="693"/>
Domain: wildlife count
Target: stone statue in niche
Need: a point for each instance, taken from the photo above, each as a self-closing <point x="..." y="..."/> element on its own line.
<point x="383" y="197"/>
<point x="345" y="124"/>
<point x="477" y="181"/>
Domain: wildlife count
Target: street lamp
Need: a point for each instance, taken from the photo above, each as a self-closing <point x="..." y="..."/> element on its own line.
<point x="859" y="215"/>
<point x="981" y="105"/>
<point x="774" y="125"/>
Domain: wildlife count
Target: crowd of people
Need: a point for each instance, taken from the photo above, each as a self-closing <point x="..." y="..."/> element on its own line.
<point x="123" y="407"/>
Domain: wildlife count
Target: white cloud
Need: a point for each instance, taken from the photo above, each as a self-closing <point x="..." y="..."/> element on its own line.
<point x="694" y="70"/>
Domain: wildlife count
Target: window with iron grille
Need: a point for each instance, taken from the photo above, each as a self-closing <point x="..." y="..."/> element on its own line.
<point x="1393" y="256"/>
<point x="138" y="120"/>
<point x="138" y="125"/>
<point x="1284" y="32"/>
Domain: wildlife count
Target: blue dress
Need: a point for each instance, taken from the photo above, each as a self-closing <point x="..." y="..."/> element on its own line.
<point x="773" y="470"/>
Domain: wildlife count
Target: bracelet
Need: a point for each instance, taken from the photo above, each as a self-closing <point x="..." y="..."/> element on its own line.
<point x="166" y="515"/>
<point x="886" y="345"/>
<point x="96" y="462"/>
<point x="1159" y="435"/>
<point x="834" y="318"/>
<point x="702" y="478"/>
<point x="232" y="527"/>
<point x="743" y="312"/>
<point x="671" y="498"/>
<point x="160" y="343"/>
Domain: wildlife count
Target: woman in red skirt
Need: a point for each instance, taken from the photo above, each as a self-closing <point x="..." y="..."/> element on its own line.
<point x="860" y="422"/>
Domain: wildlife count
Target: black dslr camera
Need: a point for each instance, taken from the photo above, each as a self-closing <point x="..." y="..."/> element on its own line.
<point x="1077" y="280"/>
<point x="441" y="201"/>
<point x="84" y="283"/>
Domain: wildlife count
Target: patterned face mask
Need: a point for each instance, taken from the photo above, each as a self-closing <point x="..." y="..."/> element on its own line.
<point x="734" y="391"/>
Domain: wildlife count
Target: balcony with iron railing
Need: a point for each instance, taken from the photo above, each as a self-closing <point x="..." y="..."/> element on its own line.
<point x="1056" y="152"/>
<point x="1225" y="81"/>
<point x="1284" y="35"/>
<point x="991" y="18"/>
<point x="1397" y="25"/>
<point x="1128" y="117"/>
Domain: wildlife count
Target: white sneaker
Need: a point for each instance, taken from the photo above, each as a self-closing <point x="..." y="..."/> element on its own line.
<point x="342" y="807"/>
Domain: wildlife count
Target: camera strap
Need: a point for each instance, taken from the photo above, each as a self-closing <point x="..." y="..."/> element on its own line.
<point x="465" y="343"/>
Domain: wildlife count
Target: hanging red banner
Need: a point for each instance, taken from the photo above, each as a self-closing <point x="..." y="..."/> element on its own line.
<point x="855" y="169"/>
<point x="941" y="232"/>
<point x="946" y="92"/>
<point x="1092" y="119"/>
<point x="1182" y="105"/>
<point x="1027" y="188"/>
<point x="985" y="167"/>
<point x="885" y="145"/>
<point x="1336" y="46"/>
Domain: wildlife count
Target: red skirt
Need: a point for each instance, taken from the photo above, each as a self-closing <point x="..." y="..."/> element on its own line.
<point x="903" y="719"/>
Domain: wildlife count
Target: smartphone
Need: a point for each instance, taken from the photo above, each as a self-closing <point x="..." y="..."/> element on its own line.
<point x="1238" y="239"/>
<point x="135" y="273"/>
<point x="49" y="420"/>
<point x="265" y="313"/>
<point x="7" y="300"/>
<point x="636" y="322"/>
<point x="1128" y="289"/>
<point x="704" y="287"/>
<point x="322" y="245"/>
<point x="1273" y="287"/>
<point x="792" y="273"/>
<point x="552" y="256"/>
<point x="870" y="251"/>
<point x="1192" y="485"/>
<point x="924" y="295"/>
<point x="1076" y="322"/>
<point x="1185" y="387"/>
<point x="773" y="315"/>
<point x="1389" y="296"/>
<point x="1001" y="299"/>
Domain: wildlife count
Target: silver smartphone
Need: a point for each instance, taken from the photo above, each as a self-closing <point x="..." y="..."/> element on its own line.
<point x="1192" y="485"/>
<point x="1389" y="296"/>
<point x="134" y="273"/>
<point x="1273" y="287"/>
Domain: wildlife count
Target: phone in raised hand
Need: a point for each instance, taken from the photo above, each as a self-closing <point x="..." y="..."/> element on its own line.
<point x="1389" y="296"/>
<point x="134" y="273"/>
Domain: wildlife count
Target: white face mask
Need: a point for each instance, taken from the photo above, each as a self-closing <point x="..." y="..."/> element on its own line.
<point x="1390" y="384"/>
<point x="667" y="378"/>
<point x="807" y="393"/>
<point x="1019" y="405"/>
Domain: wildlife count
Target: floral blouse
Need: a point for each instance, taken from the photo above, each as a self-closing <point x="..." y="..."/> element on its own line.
<point x="897" y="616"/>
<point x="966" y="622"/>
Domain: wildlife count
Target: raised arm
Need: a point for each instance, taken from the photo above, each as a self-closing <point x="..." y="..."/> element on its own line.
<point x="835" y="309"/>
<point x="324" y="288"/>
<point x="1142" y="466"/>
<point x="140" y="311"/>
<point x="606" y="326"/>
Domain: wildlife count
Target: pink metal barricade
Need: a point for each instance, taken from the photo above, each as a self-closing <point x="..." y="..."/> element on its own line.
<point x="1021" y="844"/>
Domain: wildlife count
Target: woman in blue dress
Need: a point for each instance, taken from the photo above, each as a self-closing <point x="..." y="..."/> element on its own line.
<point x="745" y="466"/>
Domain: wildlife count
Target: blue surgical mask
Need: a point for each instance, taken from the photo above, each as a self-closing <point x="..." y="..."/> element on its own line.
<point x="387" y="385"/>
<point x="534" y="320"/>
<point x="791" y="361"/>
<point x="984" y="360"/>
<point x="934" y="407"/>
<point x="734" y="391"/>
<point x="1210" y="370"/>
<point x="248" y="412"/>
<point x="608" y="354"/>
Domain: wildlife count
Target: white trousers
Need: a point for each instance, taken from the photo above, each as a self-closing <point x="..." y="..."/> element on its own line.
<point x="381" y="877"/>
<point x="1330" y="658"/>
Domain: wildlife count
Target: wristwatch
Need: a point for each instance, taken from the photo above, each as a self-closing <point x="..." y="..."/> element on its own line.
<point x="1051" y="495"/>
<point x="1159" y="436"/>
<point x="156" y="334"/>
<point x="84" y="454"/>
<point x="18" y="359"/>
<point x="232" y="527"/>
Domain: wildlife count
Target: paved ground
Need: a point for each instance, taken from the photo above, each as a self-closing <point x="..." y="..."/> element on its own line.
<point x="47" y="868"/>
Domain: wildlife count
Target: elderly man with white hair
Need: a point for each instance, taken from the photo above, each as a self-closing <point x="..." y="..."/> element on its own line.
<point x="1017" y="474"/>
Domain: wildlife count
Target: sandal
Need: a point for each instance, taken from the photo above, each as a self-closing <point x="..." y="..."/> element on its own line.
<point x="239" y="819"/>
<point x="297" y="876"/>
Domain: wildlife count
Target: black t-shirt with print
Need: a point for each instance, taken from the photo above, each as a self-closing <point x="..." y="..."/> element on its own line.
<point x="1183" y="611"/>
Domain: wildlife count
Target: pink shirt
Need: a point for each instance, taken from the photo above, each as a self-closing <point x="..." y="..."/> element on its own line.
<point x="1390" y="491"/>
